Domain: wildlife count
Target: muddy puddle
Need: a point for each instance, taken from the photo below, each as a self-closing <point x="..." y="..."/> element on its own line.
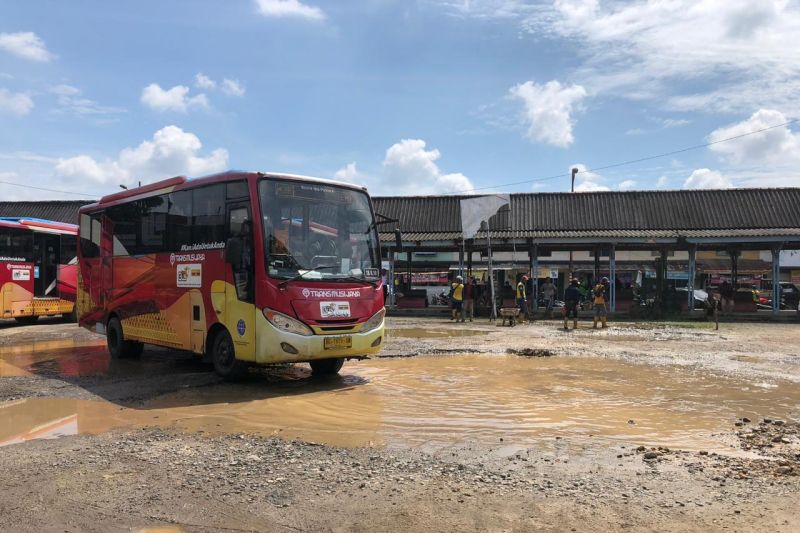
<point x="432" y="403"/>
<point x="433" y="333"/>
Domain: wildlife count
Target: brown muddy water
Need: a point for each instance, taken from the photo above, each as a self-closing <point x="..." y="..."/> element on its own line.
<point x="430" y="403"/>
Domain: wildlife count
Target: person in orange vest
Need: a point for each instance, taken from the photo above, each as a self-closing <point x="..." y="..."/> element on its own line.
<point x="457" y="298"/>
<point x="600" y="311"/>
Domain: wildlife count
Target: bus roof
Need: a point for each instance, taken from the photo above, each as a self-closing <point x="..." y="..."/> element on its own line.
<point x="38" y="224"/>
<point x="182" y="182"/>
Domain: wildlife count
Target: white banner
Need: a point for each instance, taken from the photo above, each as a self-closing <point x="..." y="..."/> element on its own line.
<point x="476" y="210"/>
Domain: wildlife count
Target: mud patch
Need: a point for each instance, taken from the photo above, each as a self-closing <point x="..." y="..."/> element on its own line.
<point x="531" y="352"/>
<point x="426" y="333"/>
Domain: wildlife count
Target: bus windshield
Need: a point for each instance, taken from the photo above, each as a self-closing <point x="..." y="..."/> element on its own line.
<point x="318" y="231"/>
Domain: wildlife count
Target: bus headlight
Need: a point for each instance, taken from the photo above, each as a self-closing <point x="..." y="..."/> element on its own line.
<point x="286" y="323"/>
<point x="374" y="321"/>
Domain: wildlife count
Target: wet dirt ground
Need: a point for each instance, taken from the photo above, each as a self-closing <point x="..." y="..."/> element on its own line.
<point x="454" y="426"/>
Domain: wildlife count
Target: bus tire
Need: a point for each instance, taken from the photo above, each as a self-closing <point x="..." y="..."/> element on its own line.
<point x="118" y="347"/>
<point x="27" y="320"/>
<point x="326" y="367"/>
<point x="73" y="315"/>
<point x="223" y="356"/>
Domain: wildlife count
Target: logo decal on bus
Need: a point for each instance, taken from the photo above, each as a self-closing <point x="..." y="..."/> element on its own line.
<point x="331" y="293"/>
<point x="182" y="258"/>
<point x="20" y="275"/>
<point x="240" y="327"/>
<point x="190" y="275"/>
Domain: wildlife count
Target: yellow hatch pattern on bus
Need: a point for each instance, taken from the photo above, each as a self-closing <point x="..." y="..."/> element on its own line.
<point x="17" y="301"/>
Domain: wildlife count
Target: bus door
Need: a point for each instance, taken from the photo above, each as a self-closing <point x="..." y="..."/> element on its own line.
<point x="45" y="268"/>
<point x="240" y="311"/>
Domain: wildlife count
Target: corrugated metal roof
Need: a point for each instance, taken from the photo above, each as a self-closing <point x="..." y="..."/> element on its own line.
<point x="58" y="211"/>
<point x="593" y="211"/>
<point x="600" y="234"/>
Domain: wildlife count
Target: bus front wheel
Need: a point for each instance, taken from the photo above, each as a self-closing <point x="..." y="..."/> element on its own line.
<point x="326" y="367"/>
<point x="223" y="355"/>
<point x="118" y="347"/>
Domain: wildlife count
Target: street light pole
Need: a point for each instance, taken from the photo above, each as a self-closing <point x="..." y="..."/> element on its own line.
<point x="572" y="189"/>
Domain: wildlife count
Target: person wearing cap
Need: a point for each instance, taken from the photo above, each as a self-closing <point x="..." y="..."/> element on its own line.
<point x="599" y="295"/>
<point x="458" y="299"/>
<point x="549" y="295"/>
<point x="522" y="299"/>
<point x="572" y="298"/>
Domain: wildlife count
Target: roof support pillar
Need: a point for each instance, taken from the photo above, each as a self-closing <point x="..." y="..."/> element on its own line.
<point x="390" y="280"/>
<point x="776" y="280"/>
<point x="612" y="274"/>
<point x="469" y="261"/>
<point x="734" y="253"/>
<point x="533" y="255"/>
<point x="690" y="279"/>
<point x="596" y="276"/>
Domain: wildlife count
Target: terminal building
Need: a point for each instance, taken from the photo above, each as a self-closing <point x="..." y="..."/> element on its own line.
<point x="657" y="245"/>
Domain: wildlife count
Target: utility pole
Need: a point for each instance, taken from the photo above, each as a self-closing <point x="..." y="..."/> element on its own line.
<point x="572" y="189"/>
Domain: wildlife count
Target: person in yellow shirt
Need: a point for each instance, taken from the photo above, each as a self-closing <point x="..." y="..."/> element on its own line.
<point x="457" y="299"/>
<point x="522" y="299"/>
<point x="600" y="311"/>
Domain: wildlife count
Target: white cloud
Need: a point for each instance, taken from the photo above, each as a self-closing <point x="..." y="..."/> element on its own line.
<point x="201" y="81"/>
<point x="289" y="8"/>
<point x="65" y="90"/>
<point x="232" y="87"/>
<point x="71" y="102"/>
<point x="349" y="173"/>
<point x="774" y="147"/>
<point x="627" y="185"/>
<point x="408" y="168"/>
<point x="25" y="44"/>
<point x="548" y="110"/>
<point x="175" y="99"/>
<point x="736" y="54"/>
<point x="704" y="178"/>
<point x="662" y="183"/>
<point x="171" y="152"/>
<point x="15" y="103"/>
<point x="588" y="181"/>
<point x="227" y="85"/>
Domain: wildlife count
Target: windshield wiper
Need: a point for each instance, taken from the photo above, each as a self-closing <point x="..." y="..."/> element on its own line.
<point x="353" y="278"/>
<point x="300" y="275"/>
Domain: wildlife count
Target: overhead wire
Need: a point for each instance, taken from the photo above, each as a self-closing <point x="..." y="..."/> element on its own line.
<point x="628" y="162"/>
<point x="514" y="183"/>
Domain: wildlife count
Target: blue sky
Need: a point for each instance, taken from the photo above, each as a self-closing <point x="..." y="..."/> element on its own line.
<point x="407" y="97"/>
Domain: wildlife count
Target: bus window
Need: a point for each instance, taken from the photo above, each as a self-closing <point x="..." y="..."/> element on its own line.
<point x="90" y="235"/>
<point x="69" y="252"/>
<point x="239" y="251"/>
<point x="16" y="244"/>
<point x="208" y="214"/>
<point x="179" y="220"/>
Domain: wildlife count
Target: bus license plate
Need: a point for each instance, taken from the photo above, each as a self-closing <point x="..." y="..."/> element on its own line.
<point x="333" y="343"/>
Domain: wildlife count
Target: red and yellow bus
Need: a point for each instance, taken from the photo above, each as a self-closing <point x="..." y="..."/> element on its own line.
<point x="241" y="268"/>
<point x="38" y="268"/>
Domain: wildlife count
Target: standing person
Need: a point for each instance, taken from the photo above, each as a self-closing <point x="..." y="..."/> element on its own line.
<point x="470" y="293"/>
<point x="549" y="295"/>
<point x="572" y="298"/>
<point x="457" y="297"/>
<point x="599" y="295"/>
<point x="522" y="298"/>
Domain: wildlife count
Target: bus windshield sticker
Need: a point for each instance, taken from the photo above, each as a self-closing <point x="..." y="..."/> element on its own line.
<point x="6" y="258"/>
<point x="190" y="275"/>
<point x="334" y="309"/>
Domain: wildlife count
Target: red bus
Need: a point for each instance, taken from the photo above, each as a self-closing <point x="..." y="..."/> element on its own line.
<point x="241" y="268"/>
<point x="38" y="268"/>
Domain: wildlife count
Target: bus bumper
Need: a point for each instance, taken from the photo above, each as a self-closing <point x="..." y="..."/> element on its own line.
<point x="276" y="346"/>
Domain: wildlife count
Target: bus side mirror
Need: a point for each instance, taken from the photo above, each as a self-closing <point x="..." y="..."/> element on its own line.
<point x="398" y="240"/>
